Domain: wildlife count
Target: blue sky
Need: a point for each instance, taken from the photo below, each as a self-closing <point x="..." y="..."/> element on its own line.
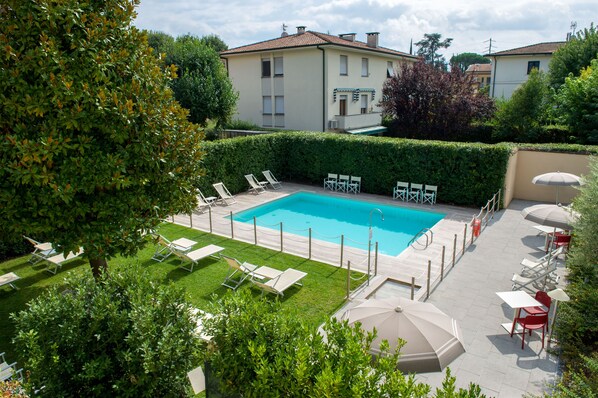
<point x="510" y="23"/>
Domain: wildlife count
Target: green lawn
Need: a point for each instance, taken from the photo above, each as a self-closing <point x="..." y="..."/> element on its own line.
<point x="323" y="290"/>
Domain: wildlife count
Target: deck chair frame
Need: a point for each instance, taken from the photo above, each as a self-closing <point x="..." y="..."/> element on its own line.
<point x="235" y="267"/>
<point x="429" y="194"/>
<point x="255" y="186"/>
<point x="41" y="251"/>
<point x="54" y="263"/>
<point x="522" y="282"/>
<point x="331" y="181"/>
<point x="274" y="183"/>
<point x="225" y="195"/>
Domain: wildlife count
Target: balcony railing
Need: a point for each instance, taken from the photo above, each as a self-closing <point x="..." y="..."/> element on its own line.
<point x="351" y="122"/>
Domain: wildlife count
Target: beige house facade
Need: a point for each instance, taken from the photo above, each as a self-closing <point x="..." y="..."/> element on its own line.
<point x="313" y="81"/>
<point x="480" y="75"/>
<point x="511" y="68"/>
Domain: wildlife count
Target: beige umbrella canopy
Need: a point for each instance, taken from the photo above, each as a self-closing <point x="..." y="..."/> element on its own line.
<point x="557" y="179"/>
<point x="551" y="215"/>
<point x="433" y="338"/>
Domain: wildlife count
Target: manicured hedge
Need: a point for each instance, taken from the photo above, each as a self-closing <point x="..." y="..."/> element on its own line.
<point x="466" y="174"/>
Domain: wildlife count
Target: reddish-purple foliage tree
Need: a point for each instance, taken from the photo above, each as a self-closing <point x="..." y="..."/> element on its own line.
<point x="427" y="103"/>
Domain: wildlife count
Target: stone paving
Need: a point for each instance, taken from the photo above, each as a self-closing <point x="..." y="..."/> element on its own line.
<point x="492" y="359"/>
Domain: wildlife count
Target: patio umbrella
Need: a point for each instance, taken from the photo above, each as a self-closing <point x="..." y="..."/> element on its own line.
<point x="557" y="179"/>
<point x="433" y="338"/>
<point x="551" y="215"/>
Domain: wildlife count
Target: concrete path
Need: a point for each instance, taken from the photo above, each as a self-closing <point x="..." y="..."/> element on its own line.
<point x="493" y="359"/>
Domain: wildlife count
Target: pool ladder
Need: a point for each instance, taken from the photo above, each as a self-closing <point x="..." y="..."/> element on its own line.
<point x="427" y="232"/>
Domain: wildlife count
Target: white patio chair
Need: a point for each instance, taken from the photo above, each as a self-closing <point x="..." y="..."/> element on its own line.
<point x="330" y="181"/>
<point x="415" y="192"/>
<point x="225" y="195"/>
<point x="354" y="185"/>
<point x="343" y="183"/>
<point x="429" y="194"/>
<point x="401" y="191"/>
<point x="274" y="183"/>
<point x="254" y="185"/>
<point x="9" y="371"/>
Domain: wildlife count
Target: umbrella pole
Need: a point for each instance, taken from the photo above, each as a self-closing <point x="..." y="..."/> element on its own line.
<point x="557" y="194"/>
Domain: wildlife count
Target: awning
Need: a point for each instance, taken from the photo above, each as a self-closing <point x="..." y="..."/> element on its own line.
<point x="368" y="130"/>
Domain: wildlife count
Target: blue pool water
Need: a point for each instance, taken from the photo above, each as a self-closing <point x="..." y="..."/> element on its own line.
<point x="329" y="217"/>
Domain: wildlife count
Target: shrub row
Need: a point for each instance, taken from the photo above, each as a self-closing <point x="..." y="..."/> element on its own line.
<point x="465" y="173"/>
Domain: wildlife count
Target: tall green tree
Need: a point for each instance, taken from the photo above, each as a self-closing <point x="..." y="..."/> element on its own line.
<point x="520" y="118"/>
<point x="214" y="42"/>
<point x="463" y="60"/>
<point x="578" y="104"/>
<point x="428" y="48"/>
<point x="94" y="148"/>
<point x="427" y="103"/>
<point x="575" y="55"/>
<point x="202" y="85"/>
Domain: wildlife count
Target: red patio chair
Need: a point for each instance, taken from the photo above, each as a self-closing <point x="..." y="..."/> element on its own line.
<point x="543" y="298"/>
<point x="530" y="323"/>
<point x="561" y="239"/>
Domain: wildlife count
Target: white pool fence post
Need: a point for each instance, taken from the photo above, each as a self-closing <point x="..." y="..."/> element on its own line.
<point x="210" y="214"/>
<point x="232" y="231"/>
<point x="376" y="260"/>
<point x="454" y="249"/>
<point x="309" y="243"/>
<point x="342" y="248"/>
<point x="412" y="287"/>
<point x="254" y="231"/>
<point x="428" y="279"/>
<point x="464" y="237"/>
<point x="348" y="279"/>
<point x="281" y="245"/>
<point x="442" y="264"/>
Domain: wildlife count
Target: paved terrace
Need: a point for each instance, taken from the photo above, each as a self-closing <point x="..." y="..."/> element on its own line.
<point x="492" y="359"/>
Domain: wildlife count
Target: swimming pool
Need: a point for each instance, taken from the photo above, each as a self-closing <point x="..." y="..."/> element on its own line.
<point x="329" y="217"/>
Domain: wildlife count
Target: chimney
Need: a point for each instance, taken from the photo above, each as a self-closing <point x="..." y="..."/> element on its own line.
<point x="300" y="30"/>
<point x="372" y="39"/>
<point x="347" y="36"/>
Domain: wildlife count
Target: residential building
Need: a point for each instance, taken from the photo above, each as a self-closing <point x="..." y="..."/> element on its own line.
<point x="510" y="68"/>
<point x="480" y="75"/>
<point x="313" y="81"/>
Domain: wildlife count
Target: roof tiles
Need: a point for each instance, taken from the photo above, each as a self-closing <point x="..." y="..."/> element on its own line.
<point x="540" y="48"/>
<point x="308" y="39"/>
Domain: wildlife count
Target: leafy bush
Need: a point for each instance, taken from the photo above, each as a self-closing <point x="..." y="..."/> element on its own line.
<point x="577" y="99"/>
<point x="467" y="174"/>
<point x="258" y="351"/>
<point x="577" y="321"/>
<point x="123" y="335"/>
<point x="428" y="103"/>
<point x="13" y="246"/>
<point x="520" y="118"/>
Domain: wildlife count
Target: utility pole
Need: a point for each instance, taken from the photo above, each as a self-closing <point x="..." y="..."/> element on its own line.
<point x="489" y="45"/>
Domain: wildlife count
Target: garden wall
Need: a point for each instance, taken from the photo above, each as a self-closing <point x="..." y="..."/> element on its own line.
<point x="466" y="174"/>
<point x="524" y="165"/>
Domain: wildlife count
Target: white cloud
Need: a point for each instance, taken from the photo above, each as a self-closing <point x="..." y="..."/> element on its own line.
<point x="510" y="23"/>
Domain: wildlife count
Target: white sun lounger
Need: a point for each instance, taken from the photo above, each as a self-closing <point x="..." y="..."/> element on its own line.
<point x="282" y="282"/>
<point x="8" y="279"/>
<point x="203" y="202"/>
<point x="41" y="251"/>
<point x="538" y="281"/>
<point x="55" y="262"/>
<point x="225" y="195"/>
<point x="274" y="183"/>
<point x="9" y="371"/>
<point x="196" y="255"/>
<point x="254" y="185"/>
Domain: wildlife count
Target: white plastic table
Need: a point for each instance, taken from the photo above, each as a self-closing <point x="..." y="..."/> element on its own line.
<point x="547" y="232"/>
<point x="517" y="300"/>
<point x="183" y="244"/>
